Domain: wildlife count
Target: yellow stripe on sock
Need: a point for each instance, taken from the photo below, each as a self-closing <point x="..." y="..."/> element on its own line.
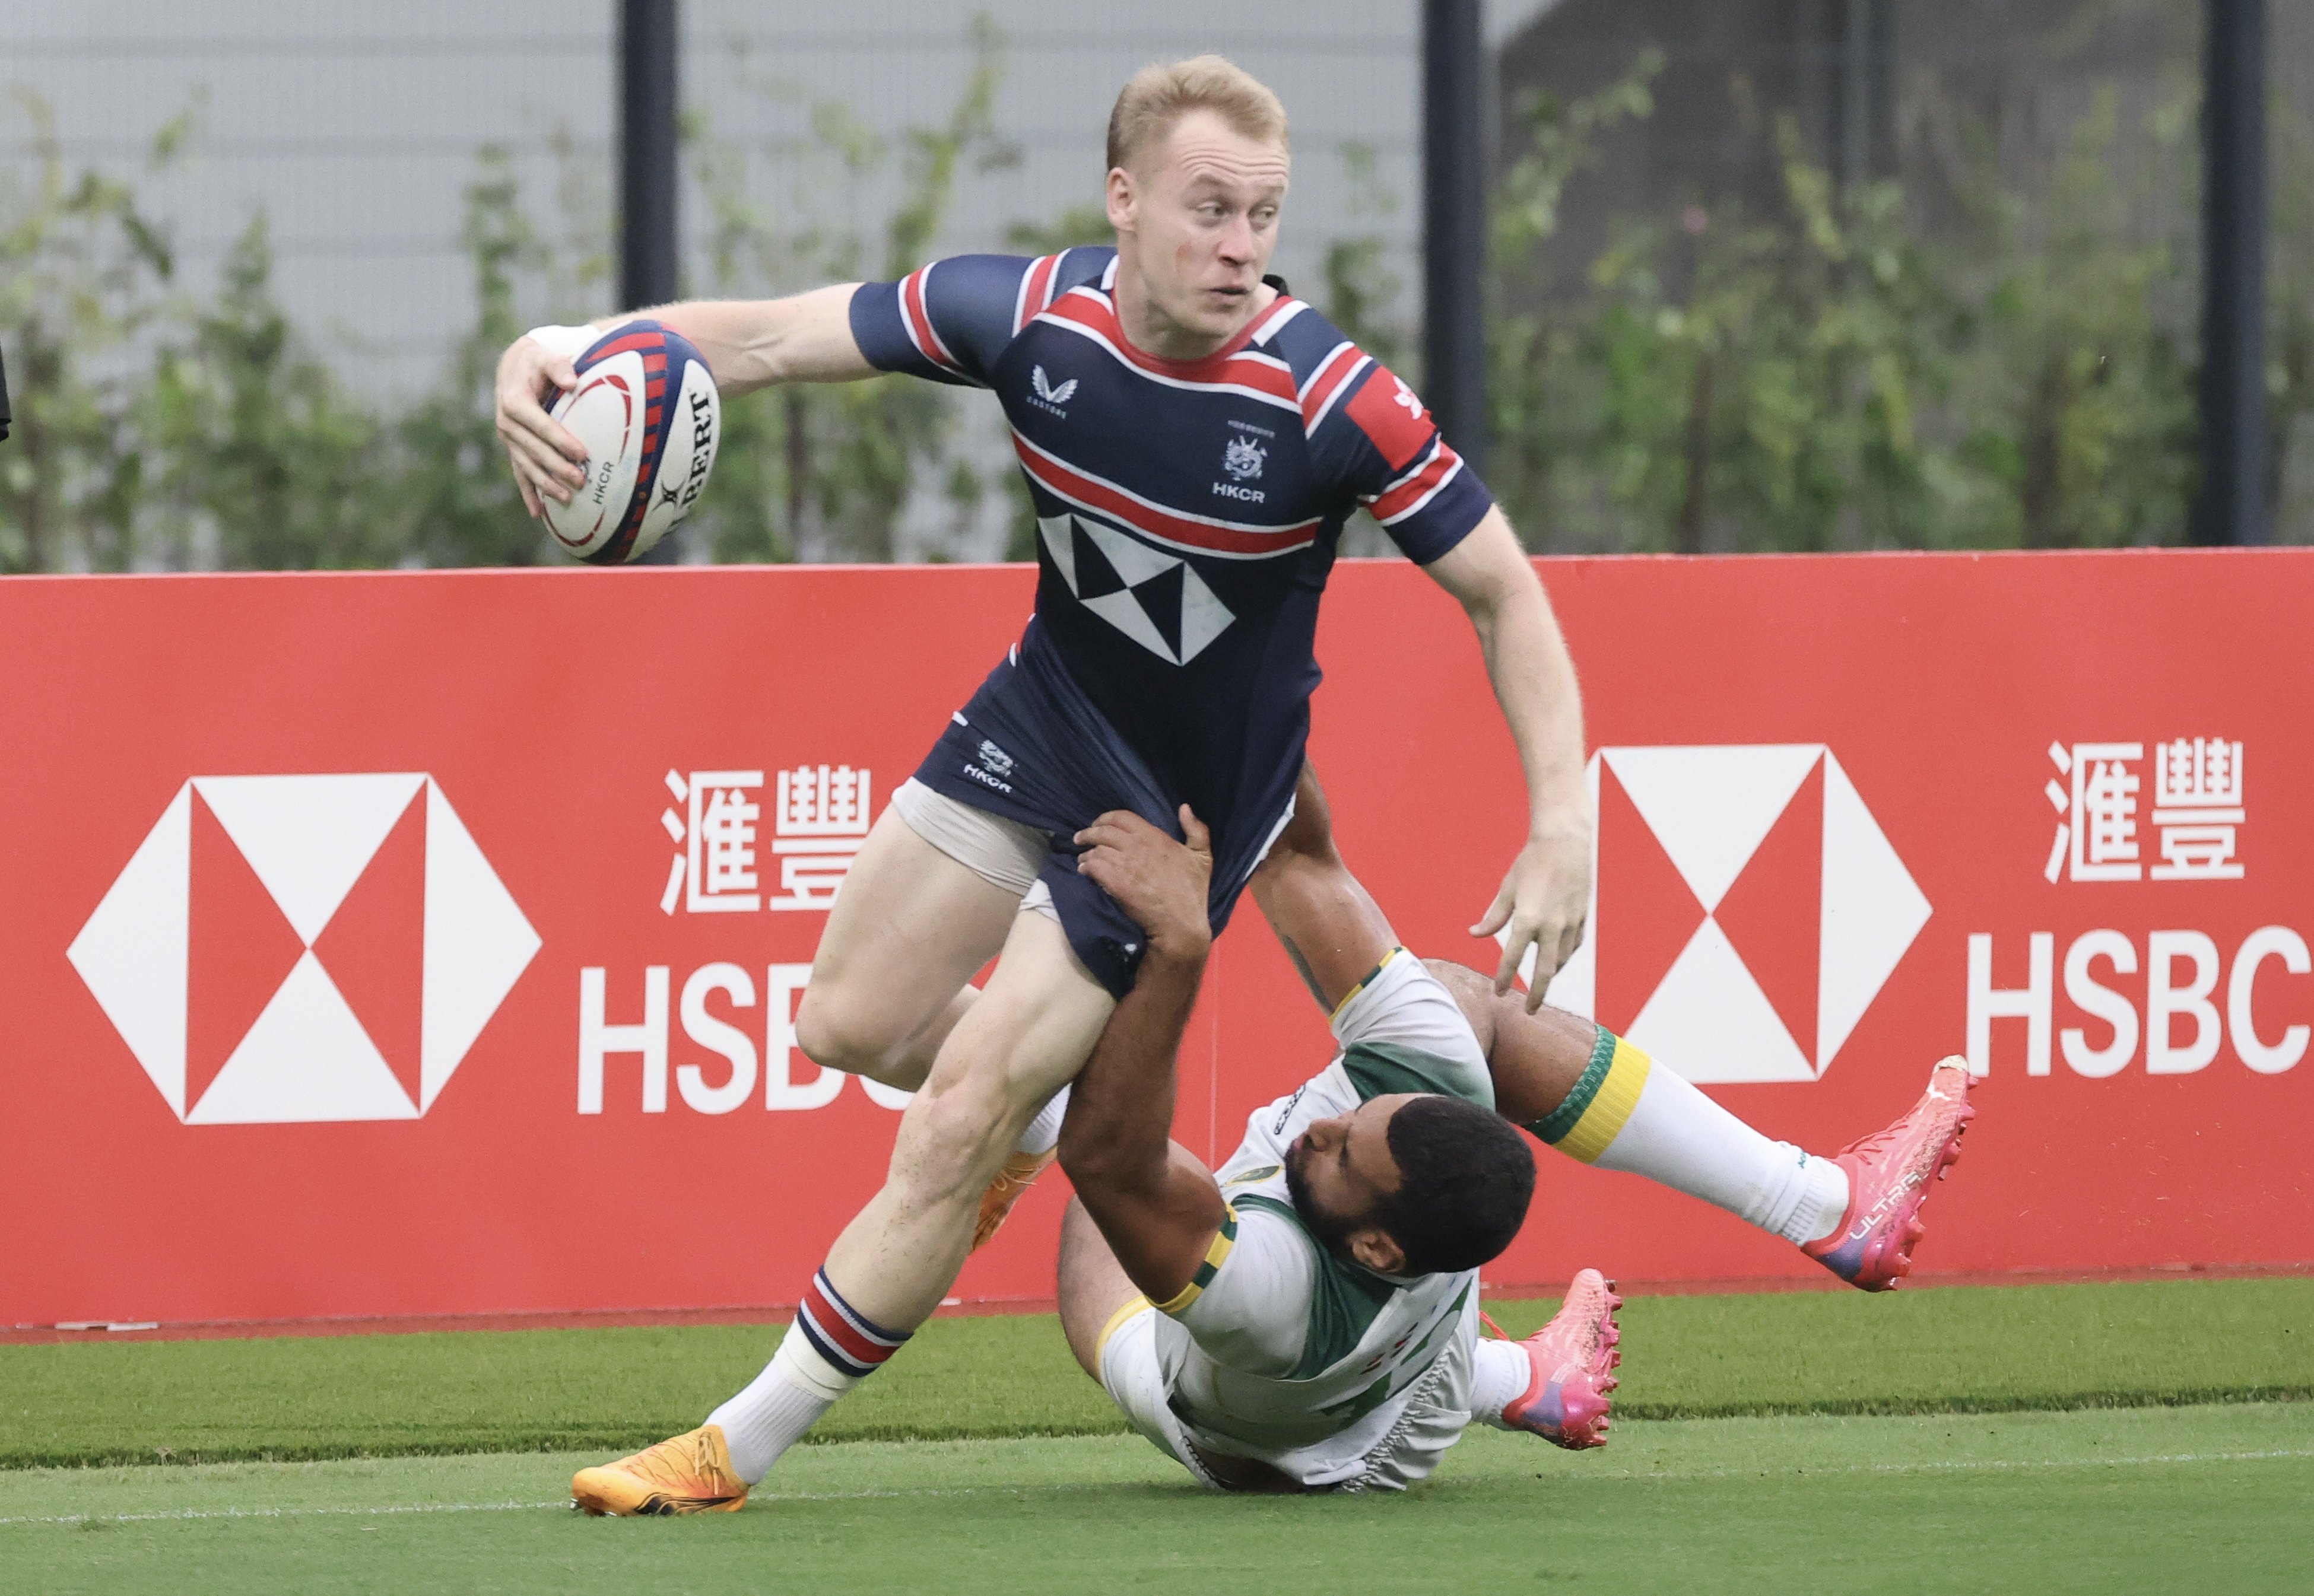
<point x="1138" y="1304"/>
<point x="1618" y="1095"/>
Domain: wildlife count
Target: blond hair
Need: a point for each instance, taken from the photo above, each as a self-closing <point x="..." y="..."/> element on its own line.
<point x="1160" y="96"/>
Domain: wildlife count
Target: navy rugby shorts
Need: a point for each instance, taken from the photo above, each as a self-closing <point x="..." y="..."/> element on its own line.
<point x="1032" y="748"/>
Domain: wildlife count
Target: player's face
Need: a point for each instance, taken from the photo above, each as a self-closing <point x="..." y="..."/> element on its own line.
<point x="1200" y="221"/>
<point x="1339" y="1170"/>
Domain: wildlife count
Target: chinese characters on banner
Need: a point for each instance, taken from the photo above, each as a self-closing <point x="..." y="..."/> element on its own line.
<point x="2197" y="803"/>
<point x="820" y="816"/>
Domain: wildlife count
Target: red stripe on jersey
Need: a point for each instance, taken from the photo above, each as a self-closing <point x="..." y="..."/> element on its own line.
<point x="1233" y="366"/>
<point x="1326" y="383"/>
<point x="1170" y="527"/>
<point x="1389" y="414"/>
<point x="1409" y="493"/>
<point x="1036" y="290"/>
<point x="1282" y="310"/>
<point x="917" y="318"/>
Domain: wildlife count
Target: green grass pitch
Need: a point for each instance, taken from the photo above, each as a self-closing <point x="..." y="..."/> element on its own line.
<point x="2105" y="1437"/>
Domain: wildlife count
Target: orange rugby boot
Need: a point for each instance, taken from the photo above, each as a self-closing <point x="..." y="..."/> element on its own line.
<point x="1018" y="1175"/>
<point x="690" y="1473"/>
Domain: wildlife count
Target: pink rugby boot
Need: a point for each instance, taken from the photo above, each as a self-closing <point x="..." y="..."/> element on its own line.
<point x="1888" y="1180"/>
<point x="1572" y="1359"/>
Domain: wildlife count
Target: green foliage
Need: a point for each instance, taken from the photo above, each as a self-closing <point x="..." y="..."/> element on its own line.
<point x="82" y="275"/>
<point x="1836" y="374"/>
<point x="262" y="462"/>
<point x="1070" y="227"/>
<point x="828" y="471"/>
<point x="454" y="501"/>
<point x="1847" y="366"/>
<point x="1361" y="292"/>
<point x="154" y="431"/>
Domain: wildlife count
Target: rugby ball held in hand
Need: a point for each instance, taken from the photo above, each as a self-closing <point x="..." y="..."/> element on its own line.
<point x="647" y="410"/>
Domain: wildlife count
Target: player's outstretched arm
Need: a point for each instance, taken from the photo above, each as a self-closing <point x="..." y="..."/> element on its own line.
<point x="1157" y="1206"/>
<point x="748" y="344"/>
<point x="1545" y="893"/>
<point x="1330" y="926"/>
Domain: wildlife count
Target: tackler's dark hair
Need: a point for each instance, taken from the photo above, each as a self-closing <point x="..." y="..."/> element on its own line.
<point x="1466" y="1176"/>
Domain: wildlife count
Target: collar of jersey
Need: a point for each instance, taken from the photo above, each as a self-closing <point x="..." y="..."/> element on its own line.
<point x="1205" y="368"/>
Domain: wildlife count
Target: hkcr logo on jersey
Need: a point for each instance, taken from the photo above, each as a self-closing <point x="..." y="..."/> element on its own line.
<point x="284" y="948"/>
<point x="1745" y="909"/>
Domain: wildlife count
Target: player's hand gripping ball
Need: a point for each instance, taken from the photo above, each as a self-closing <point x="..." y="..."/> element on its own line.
<point x="647" y="410"/>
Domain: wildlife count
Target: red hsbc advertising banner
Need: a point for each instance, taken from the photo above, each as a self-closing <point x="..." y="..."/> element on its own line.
<point x="421" y="944"/>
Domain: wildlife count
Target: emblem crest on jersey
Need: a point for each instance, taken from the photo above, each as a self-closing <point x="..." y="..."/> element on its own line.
<point x="1242" y="458"/>
<point x="1051" y="392"/>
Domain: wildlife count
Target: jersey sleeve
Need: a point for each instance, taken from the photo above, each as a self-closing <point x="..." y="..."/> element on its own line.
<point x="1403" y="1031"/>
<point x="1375" y="438"/>
<point x="948" y="320"/>
<point x="1249" y="1307"/>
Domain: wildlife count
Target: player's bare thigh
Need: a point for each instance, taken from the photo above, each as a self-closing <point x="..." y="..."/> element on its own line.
<point x="1092" y="1286"/>
<point x="910" y="928"/>
<point x="1030" y="1032"/>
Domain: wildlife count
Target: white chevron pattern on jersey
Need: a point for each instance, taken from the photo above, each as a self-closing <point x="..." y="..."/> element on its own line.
<point x="1136" y="591"/>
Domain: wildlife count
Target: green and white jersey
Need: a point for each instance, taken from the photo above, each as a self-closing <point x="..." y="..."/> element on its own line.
<point x="1281" y="1351"/>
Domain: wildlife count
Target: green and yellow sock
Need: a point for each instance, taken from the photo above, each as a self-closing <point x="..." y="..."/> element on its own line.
<point x="1626" y="1112"/>
<point x="1595" y="1109"/>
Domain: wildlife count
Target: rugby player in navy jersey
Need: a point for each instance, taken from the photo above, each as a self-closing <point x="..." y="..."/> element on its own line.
<point x="1194" y="439"/>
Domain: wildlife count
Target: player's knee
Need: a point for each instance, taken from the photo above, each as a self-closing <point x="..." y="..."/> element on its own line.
<point x="951" y="1141"/>
<point x="839" y="1035"/>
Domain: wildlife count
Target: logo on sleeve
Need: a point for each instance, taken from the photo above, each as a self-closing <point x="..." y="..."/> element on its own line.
<point x="1392" y="418"/>
<point x="1048" y="395"/>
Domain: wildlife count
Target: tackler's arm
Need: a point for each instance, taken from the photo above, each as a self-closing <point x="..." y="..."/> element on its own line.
<point x="1157" y="1206"/>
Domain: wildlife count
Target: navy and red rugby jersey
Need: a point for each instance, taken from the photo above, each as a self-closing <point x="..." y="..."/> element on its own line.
<point x="1187" y="514"/>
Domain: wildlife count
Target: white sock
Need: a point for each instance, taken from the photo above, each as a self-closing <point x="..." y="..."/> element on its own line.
<point x="778" y="1404"/>
<point x="1043" y="1132"/>
<point x="1640" y="1116"/>
<point x="1499" y="1372"/>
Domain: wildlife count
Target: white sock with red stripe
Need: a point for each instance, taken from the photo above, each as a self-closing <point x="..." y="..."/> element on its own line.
<point x="827" y="1351"/>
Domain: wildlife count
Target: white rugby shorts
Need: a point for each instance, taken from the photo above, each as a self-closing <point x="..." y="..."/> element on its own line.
<point x="1436" y="1410"/>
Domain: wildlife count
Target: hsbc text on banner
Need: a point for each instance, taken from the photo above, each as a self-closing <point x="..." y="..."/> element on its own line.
<point x="429" y="943"/>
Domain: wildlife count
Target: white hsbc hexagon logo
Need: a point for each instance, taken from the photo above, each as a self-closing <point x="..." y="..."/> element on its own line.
<point x="1745" y="909"/>
<point x="287" y="948"/>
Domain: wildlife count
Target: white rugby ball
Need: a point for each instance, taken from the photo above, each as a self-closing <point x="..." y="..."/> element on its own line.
<point x="646" y="410"/>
